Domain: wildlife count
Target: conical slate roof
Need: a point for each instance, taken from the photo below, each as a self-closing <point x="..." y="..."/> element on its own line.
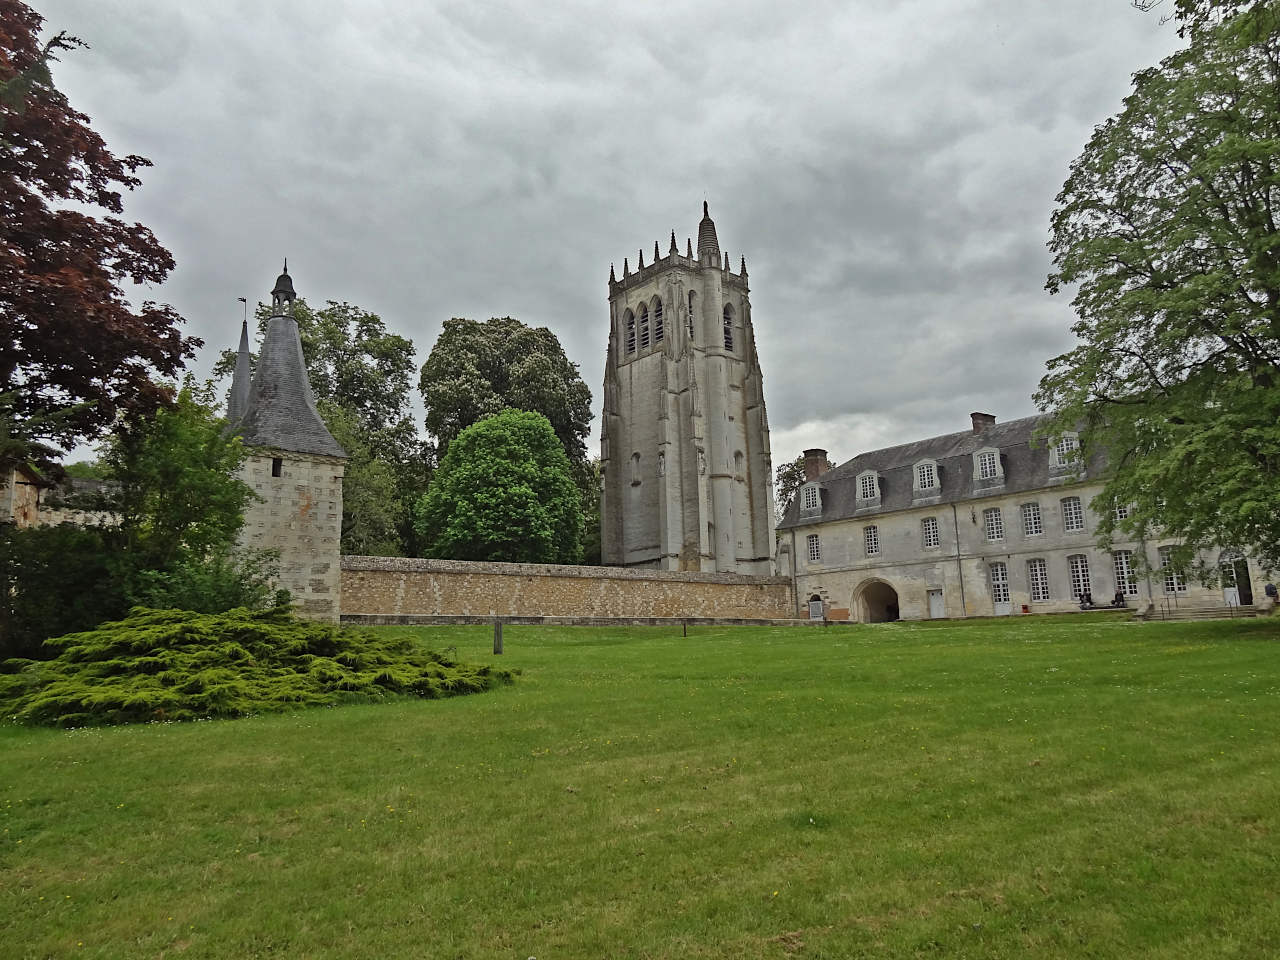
<point x="708" y="244"/>
<point x="238" y="400"/>
<point x="281" y="409"/>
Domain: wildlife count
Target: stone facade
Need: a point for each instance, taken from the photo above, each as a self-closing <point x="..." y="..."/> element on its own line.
<point x="299" y="515"/>
<point x="396" y="586"/>
<point x="1022" y="540"/>
<point x="684" y="451"/>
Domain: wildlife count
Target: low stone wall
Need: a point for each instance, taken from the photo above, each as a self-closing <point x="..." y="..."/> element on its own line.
<point x="398" y="586"/>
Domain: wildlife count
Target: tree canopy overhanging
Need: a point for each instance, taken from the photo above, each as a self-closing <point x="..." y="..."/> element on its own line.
<point x="74" y="351"/>
<point x="1166" y="229"/>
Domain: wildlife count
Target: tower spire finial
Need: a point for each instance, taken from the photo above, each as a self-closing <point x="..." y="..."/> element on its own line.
<point x="612" y="278"/>
<point x="708" y="244"/>
<point x="674" y="248"/>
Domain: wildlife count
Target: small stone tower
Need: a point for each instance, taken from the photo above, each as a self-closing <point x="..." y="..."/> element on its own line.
<point x="684" y="451"/>
<point x="294" y="464"/>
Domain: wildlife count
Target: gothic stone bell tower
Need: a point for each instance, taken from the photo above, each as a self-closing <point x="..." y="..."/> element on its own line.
<point x="684" y="451"/>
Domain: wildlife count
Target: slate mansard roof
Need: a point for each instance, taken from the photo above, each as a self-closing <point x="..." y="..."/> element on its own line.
<point x="1025" y="465"/>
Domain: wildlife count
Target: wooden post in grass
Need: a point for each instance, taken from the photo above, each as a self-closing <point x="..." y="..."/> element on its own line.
<point x="684" y="628"/>
<point x="497" y="635"/>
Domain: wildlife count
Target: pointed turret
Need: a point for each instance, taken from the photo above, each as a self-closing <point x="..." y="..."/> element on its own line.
<point x="626" y="268"/>
<point x="241" y="380"/>
<point x="726" y="262"/>
<point x="656" y="255"/>
<point x="743" y="270"/>
<point x="688" y="248"/>
<point x="280" y="412"/>
<point x="708" y="244"/>
<point x="674" y="249"/>
<point x="612" y="278"/>
<point x="640" y="260"/>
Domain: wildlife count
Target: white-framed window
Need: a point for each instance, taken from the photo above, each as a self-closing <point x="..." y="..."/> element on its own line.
<point x="871" y="539"/>
<point x="1126" y="579"/>
<point x="1078" y="565"/>
<point x="1072" y="514"/>
<point x="929" y="532"/>
<point x="868" y="487"/>
<point x="814" y="546"/>
<point x="993" y="523"/>
<point x="999" y="582"/>
<point x="1031" y="523"/>
<point x="1066" y="451"/>
<point x="988" y="465"/>
<point x="1038" y="578"/>
<point x="926" y="475"/>
<point x="1120" y="511"/>
<point x="810" y="499"/>
<point x="1173" y="580"/>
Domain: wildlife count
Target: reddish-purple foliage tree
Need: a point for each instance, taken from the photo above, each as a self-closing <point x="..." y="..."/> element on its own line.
<point x="74" y="352"/>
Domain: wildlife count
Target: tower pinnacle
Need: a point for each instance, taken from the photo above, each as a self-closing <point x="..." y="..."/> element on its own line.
<point x="708" y="244"/>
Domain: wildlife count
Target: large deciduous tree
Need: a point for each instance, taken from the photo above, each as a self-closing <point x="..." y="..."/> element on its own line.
<point x="478" y="368"/>
<point x="74" y="352"/>
<point x="504" y="491"/>
<point x="1167" y="229"/>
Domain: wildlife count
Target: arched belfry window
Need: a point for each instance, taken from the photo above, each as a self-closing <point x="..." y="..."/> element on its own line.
<point x="629" y="325"/>
<point x="691" y="295"/>
<point x="728" y="327"/>
<point x="657" y="320"/>
<point x="644" y="327"/>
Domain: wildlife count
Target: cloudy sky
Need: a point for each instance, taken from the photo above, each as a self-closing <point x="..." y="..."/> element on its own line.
<point x="887" y="169"/>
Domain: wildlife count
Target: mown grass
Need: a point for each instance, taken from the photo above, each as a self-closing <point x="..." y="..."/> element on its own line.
<point x="1052" y="788"/>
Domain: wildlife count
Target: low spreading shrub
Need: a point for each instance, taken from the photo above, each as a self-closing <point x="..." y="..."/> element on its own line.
<point x="180" y="665"/>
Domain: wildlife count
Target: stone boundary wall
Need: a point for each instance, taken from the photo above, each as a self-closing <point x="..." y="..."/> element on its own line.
<point x="427" y="620"/>
<point x="403" y="586"/>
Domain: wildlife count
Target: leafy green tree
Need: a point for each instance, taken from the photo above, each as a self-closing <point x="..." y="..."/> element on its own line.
<point x="180" y="506"/>
<point x="590" y="493"/>
<point x="479" y="368"/>
<point x="178" y="492"/>
<point x="1166" y="229"/>
<point x="504" y="491"/>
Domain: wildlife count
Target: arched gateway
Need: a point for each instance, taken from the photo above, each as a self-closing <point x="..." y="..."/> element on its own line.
<point x="875" y="602"/>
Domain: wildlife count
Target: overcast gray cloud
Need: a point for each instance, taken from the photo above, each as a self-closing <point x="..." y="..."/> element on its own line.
<point x="888" y="171"/>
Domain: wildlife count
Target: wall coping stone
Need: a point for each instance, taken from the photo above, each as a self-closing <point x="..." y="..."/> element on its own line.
<point x="420" y="565"/>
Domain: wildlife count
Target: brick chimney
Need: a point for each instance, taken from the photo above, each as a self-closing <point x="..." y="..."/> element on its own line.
<point x="980" y="421"/>
<point x="815" y="464"/>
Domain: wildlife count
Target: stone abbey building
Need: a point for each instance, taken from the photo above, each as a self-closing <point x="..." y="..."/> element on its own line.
<point x="984" y="522"/>
<point x="684" y="452"/>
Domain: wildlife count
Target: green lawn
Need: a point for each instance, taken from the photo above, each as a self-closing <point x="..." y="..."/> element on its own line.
<point x="1061" y="787"/>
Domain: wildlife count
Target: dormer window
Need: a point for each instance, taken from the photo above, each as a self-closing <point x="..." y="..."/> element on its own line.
<point x="926" y="475"/>
<point x="987" y="469"/>
<point x="868" y="487"/>
<point x="988" y="465"/>
<point x="809" y="499"/>
<point x="1065" y="452"/>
